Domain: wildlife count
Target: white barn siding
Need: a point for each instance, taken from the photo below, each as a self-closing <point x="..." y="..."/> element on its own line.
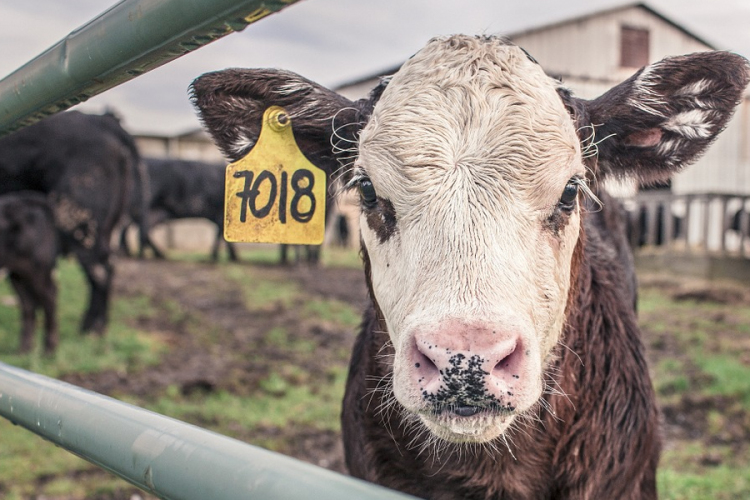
<point x="586" y="52"/>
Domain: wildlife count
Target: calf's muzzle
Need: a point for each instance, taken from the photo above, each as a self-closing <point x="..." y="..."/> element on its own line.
<point x="466" y="369"/>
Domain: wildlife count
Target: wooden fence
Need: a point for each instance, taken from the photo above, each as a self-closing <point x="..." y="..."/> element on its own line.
<point x="710" y="223"/>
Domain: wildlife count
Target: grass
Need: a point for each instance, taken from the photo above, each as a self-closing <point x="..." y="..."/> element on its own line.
<point x="279" y="404"/>
<point x="261" y="294"/>
<point x="124" y="348"/>
<point x="263" y="254"/>
<point x="728" y="377"/>
<point x="333" y="311"/>
<point x="700" y="353"/>
<point x="719" y="483"/>
<point x="286" y="398"/>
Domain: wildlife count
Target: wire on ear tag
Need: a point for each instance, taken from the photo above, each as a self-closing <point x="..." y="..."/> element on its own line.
<point x="274" y="194"/>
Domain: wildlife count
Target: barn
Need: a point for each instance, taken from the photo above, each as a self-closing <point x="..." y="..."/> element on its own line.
<point x="592" y="53"/>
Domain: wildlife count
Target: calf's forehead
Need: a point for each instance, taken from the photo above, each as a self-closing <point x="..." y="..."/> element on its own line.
<point x="474" y="103"/>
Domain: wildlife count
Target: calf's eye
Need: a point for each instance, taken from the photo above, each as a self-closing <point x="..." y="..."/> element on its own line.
<point x="569" y="195"/>
<point x="367" y="193"/>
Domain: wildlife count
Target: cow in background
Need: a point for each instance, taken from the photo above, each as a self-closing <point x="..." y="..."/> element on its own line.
<point x="83" y="164"/>
<point x="181" y="189"/>
<point x="28" y="251"/>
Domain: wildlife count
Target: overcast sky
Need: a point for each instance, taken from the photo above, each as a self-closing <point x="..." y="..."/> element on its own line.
<point x="329" y="41"/>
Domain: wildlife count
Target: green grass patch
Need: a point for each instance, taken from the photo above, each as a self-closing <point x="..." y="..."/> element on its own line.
<point x="260" y="293"/>
<point x="342" y="257"/>
<point x="670" y="378"/>
<point x="279" y="403"/>
<point x="270" y="254"/>
<point x="334" y="311"/>
<point x="729" y="377"/>
<point x="122" y="348"/>
<point x="680" y="481"/>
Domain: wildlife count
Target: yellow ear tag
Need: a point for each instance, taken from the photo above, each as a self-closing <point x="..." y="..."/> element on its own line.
<point x="274" y="194"/>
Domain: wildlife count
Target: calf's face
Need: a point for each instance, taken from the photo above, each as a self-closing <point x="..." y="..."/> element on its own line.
<point x="471" y="174"/>
<point x="469" y="218"/>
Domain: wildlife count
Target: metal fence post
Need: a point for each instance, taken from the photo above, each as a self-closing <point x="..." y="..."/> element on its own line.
<point x="164" y="456"/>
<point x="131" y="38"/>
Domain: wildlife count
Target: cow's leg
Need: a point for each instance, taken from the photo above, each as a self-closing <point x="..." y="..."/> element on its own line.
<point x="283" y="254"/>
<point x="313" y="254"/>
<point x="232" y="251"/>
<point x="217" y="243"/>
<point x="48" y="298"/>
<point x="99" y="272"/>
<point x="124" y="246"/>
<point x="144" y="242"/>
<point x="153" y="218"/>
<point x="28" y="308"/>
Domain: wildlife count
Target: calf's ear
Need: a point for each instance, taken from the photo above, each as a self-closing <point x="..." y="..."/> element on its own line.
<point x="231" y="104"/>
<point x="663" y="117"/>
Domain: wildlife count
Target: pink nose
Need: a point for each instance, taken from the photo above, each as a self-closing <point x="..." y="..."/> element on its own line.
<point x="461" y="366"/>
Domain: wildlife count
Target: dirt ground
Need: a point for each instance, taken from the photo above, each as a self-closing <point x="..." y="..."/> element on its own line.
<point x="214" y="344"/>
<point x="217" y="342"/>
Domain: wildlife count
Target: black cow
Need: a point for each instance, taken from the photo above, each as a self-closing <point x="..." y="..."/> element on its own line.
<point x="181" y="189"/>
<point x="28" y="250"/>
<point x="83" y="163"/>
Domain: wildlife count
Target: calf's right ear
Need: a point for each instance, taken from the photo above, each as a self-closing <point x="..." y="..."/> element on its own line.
<point x="663" y="117"/>
<point x="231" y="104"/>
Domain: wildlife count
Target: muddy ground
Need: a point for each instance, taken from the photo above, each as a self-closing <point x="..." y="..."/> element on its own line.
<point x="215" y="341"/>
<point x="219" y="342"/>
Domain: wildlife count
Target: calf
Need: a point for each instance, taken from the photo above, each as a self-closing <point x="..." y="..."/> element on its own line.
<point x="180" y="189"/>
<point x="83" y="164"/>
<point x="499" y="356"/>
<point x="28" y="250"/>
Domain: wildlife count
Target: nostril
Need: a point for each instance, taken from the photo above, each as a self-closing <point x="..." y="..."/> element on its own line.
<point x="508" y="361"/>
<point x="426" y="372"/>
<point x="424" y="364"/>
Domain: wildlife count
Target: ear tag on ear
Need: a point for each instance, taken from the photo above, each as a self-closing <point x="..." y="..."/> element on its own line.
<point x="274" y="194"/>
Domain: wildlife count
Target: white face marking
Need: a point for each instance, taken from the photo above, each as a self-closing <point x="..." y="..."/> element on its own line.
<point x="473" y="148"/>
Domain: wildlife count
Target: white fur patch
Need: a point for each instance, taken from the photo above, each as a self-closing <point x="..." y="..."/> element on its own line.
<point x="644" y="97"/>
<point x="693" y="124"/>
<point x="293" y="87"/>
<point x="241" y="144"/>
<point x="669" y="147"/>
<point x="694" y="89"/>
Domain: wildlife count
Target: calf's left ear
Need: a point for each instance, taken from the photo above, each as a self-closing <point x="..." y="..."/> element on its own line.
<point x="231" y="104"/>
<point x="663" y="117"/>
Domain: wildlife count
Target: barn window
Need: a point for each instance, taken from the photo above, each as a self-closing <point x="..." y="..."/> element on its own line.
<point x="633" y="47"/>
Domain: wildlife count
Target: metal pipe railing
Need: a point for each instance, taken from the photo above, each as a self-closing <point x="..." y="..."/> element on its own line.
<point x="131" y="38"/>
<point x="166" y="457"/>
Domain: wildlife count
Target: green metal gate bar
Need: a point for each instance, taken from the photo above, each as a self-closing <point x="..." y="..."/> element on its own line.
<point x="169" y="458"/>
<point x="131" y="38"/>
